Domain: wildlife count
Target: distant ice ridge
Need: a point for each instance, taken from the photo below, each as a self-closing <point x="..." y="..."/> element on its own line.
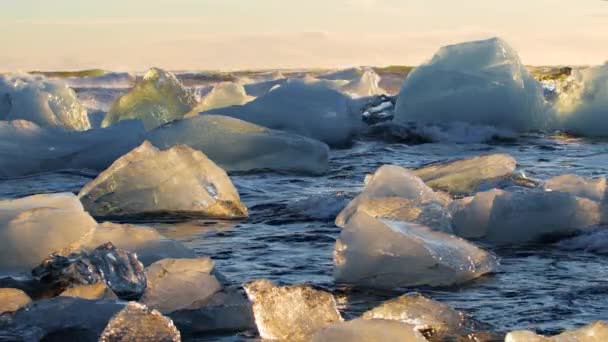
<point x="583" y="110"/>
<point x="310" y="109"/>
<point x="45" y="102"/>
<point x="481" y="82"/>
<point x="108" y="80"/>
<point x="222" y="95"/>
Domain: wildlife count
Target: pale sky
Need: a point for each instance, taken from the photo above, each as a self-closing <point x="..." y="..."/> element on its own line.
<point x="253" y="34"/>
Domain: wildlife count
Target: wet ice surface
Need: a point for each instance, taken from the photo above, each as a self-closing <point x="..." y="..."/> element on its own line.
<point x="540" y="287"/>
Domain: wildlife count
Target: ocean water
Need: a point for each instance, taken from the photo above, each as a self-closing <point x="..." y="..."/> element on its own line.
<point x="290" y="235"/>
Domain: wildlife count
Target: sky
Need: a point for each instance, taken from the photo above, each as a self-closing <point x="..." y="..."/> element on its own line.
<point x="134" y="35"/>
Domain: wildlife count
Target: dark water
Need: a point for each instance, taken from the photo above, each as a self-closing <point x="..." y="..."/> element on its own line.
<point x="290" y="234"/>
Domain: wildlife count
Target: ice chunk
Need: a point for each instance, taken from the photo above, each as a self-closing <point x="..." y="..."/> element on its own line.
<point x="33" y="227"/>
<point x="136" y="322"/>
<point x="396" y="193"/>
<point x="178" y="284"/>
<point x="146" y="242"/>
<point x="465" y="177"/>
<point x="368" y="84"/>
<point x="519" y="217"/>
<point x="237" y="145"/>
<point x="13" y="300"/>
<point x="71" y="318"/>
<point x="119" y="269"/>
<point x="106" y="80"/>
<point x="378" y="109"/>
<point x="45" y="102"/>
<point x="262" y="88"/>
<point x="369" y="330"/>
<point x="595" y="332"/>
<point x="432" y="318"/>
<point x="291" y="313"/>
<point x="388" y="254"/>
<point x="308" y="109"/>
<point x="178" y="180"/>
<point x="222" y="95"/>
<point x="583" y="109"/>
<point x="593" y="189"/>
<point x="481" y="82"/>
<point x="98" y="290"/>
<point x="159" y="98"/>
<point x="470" y="215"/>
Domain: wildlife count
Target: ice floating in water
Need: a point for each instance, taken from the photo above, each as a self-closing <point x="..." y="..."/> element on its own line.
<point x="222" y="95"/>
<point x="388" y="254"/>
<point x="595" y="332"/>
<point x="312" y="110"/>
<point x="178" y="180"/>
<point x="584" y="109"/>
<point x="291" y="313"/>
<point x="368" y="84"/>
<point x="159" y="98"/>
<point x="136" y="322"/>
<point x="396" y="193"/>
<point x="107" y="80"/>
<point x="481" y="82"/>
<point x="369" y="330"/>
<point x="434" y="319"/>
<point x="593" y="189"/>
<point x="45" y="102"/>
<point x="53" y="150"/>
<point x="149" y="245"/>
<point x="33" y="227"/>
<point x="12" y="300"/>
<point x="178" y="284"/>
<point x="521" y="217"/>
<point x="237" y="145"/>
<point x="465" y="177"/>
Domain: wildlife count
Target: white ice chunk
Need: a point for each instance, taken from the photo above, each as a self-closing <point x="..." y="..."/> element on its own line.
<point x="368" y="84"/>
<point x="426" y="315"/>
<point x="178" y="180"/>
<point x="178" y="284"/>
<point x="380" y="253"/>
<point x="159" y="98"/>
<point x="45" y="102"/>
<point x="593" y="189"/>
<point x="595" y="332"/>
<point x="290" y="313"/>
<point x="481" y="82"/>
<point x="33" y="227"/>
<point x="396" y="193"/>
<point x="237" y="145"/>
<point x="465" y="177"/>
<point x="369" y="330"/>
<point x="470" y="215"/>
<point x="519" y="217"/>
<point x="309" y="109"/>
<point x="222" y="95"/>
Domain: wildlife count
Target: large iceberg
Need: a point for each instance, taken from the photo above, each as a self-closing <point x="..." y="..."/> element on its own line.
<point x="237" y="145"/>
<point x="291" y="313"/>
<point x="369" y="330"/>
<point x="396" y="193"/>
<point x="178" y="180"/>
<point x="159" y="98"/>
<point x="584" y="109"/>
<point x="33" y="227"/>
<point x="481" y="83"/>
<point x="380" y="253"/>
<point x="309" y="109"/>
<point x="42" y="101"/>
<point x="465" y="177"/>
